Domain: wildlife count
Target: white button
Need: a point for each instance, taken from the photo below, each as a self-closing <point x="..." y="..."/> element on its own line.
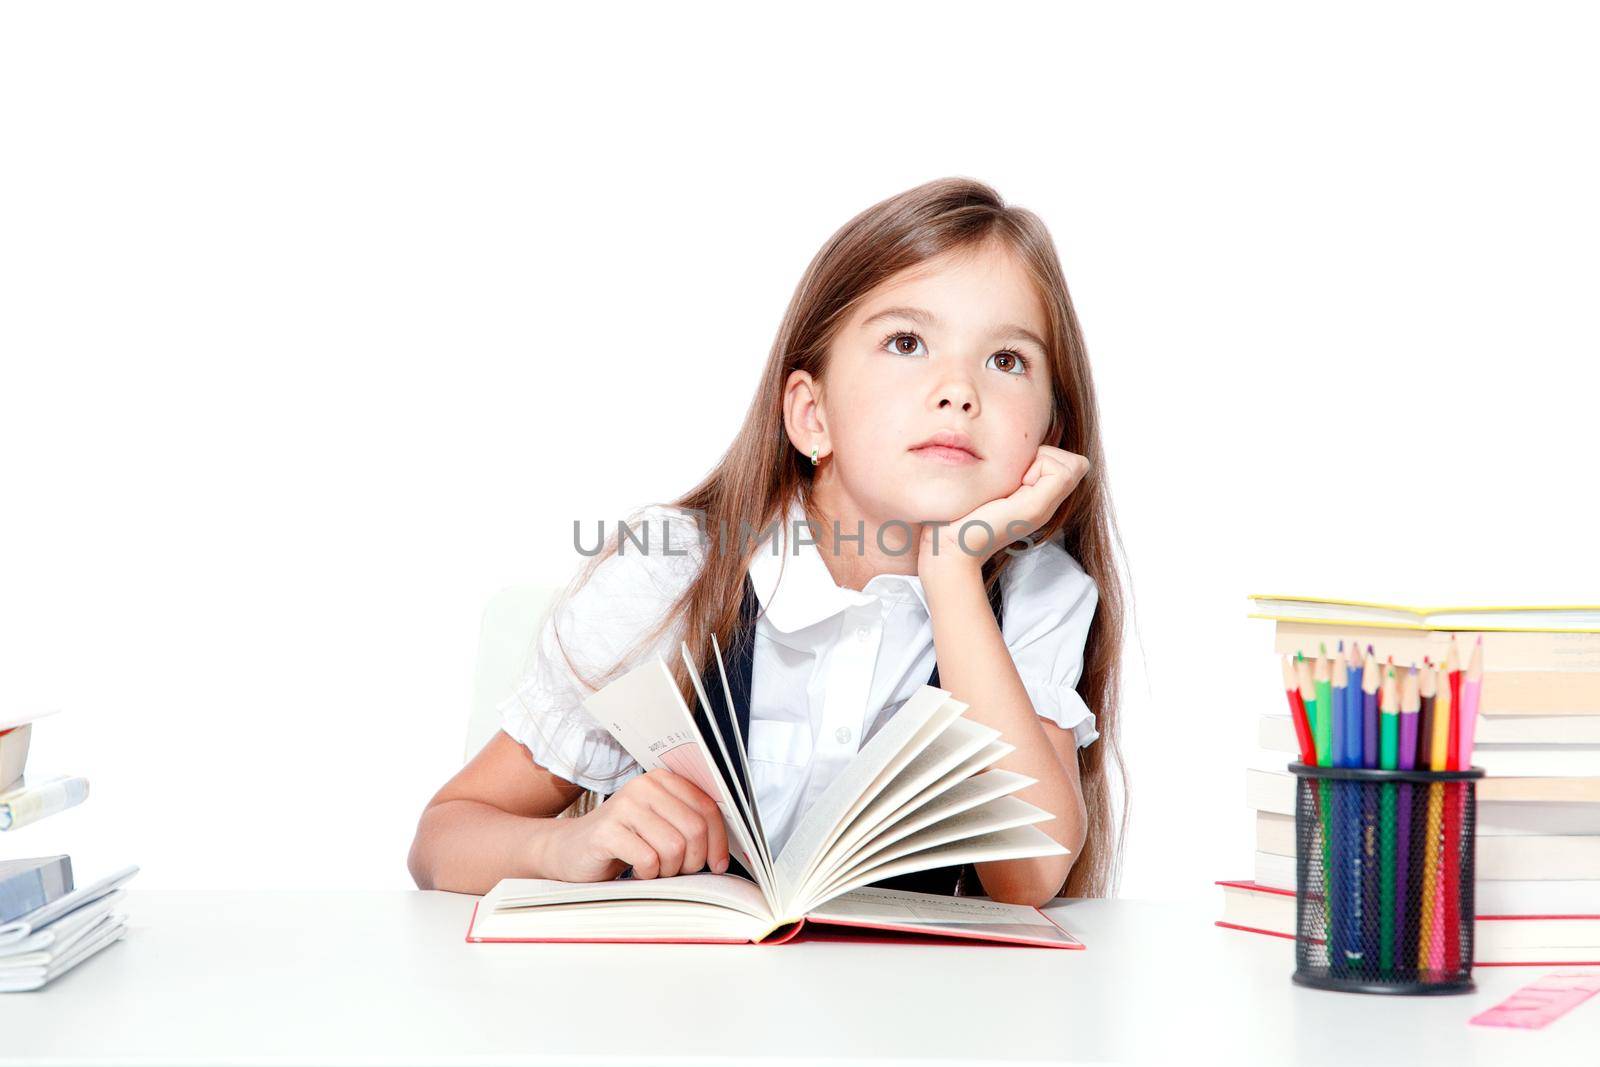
<point x="842" y="735"/>
<point x="861" y="633"/>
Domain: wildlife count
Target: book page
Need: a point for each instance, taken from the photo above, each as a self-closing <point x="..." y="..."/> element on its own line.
<point x="722" y="890"/>
<point x="970" y="767"/>
<point x="618" y="920"/>
<point x="741" y="773"/>
<point x="645" y="712"/>
<point x="999" y="813"/>
<point x="940" y="721"/>
<point x="959" y="741"/>
<point x="964" y="795"/>
<point x="958" y="916"/>
<point x="910" y="729"/>
<point x="1017" y="842"/>
<point x="744" y="752"/>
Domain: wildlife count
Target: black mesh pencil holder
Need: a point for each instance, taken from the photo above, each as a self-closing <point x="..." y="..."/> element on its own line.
<point x="1383" y="879"/>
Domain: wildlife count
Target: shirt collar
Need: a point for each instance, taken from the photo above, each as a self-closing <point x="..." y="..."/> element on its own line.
<point x="795" y="587"/>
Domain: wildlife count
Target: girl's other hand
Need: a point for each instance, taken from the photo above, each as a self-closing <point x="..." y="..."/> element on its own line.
<point x="659" y="823"/>
<point x="1049" y="479"/>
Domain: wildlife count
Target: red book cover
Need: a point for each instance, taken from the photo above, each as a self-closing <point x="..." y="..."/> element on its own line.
<point x="1278" y="891"/>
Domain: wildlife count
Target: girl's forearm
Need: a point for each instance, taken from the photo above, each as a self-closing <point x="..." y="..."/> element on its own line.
<point x="976" y="667"/>
<point x="466" y="846"/>
<point x="1039" y="879"/>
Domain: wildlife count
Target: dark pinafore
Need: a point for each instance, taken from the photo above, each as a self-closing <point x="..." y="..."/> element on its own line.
<point x="738" y="657"/>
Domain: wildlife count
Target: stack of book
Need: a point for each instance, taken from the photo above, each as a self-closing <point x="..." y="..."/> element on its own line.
<point x="24" y="800"/>
<point x="1537" y="835"/>
<point x="48" y="925"/>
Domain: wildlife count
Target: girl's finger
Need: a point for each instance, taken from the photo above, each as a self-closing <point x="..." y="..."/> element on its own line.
<point x="633" y="850"/>
<point x="1036" y="494"/>
<point x="1062" y="456"/>
<point x="1041" y="499"/>
<point x="662" y="837"/>
<point x="691" y="826"/>
<point x="716" y="833"/>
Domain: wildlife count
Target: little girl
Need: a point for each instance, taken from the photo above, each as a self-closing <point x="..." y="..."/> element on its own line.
<point x="917" y="496"/>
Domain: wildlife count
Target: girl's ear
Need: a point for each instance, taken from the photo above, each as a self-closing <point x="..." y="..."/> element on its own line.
<point x="804" y="417"/>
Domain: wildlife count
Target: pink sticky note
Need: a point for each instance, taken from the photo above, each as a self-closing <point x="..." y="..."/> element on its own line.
<point x="1542" y="1002"/>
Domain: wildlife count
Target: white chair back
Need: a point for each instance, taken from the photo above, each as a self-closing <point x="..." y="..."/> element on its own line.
<point x="506" y="634"/>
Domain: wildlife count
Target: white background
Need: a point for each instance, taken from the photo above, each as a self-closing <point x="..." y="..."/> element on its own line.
<point x="322" y="322"/>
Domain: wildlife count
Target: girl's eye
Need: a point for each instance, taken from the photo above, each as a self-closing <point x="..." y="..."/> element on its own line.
<point x="899" y="340"/>
<point x="1017" y="362"/>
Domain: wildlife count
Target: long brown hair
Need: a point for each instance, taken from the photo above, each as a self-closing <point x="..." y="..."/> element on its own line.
<point x="750" y="487"/>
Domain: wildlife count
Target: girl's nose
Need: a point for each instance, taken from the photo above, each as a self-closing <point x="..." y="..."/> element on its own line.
<point x="959" y="395"/>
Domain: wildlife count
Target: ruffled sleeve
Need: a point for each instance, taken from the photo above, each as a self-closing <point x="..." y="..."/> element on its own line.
<point x="1049" y="603"/>
<point x="600" y="625"/>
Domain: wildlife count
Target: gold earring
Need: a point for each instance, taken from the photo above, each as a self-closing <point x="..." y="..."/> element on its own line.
<point x="813" y="457"/>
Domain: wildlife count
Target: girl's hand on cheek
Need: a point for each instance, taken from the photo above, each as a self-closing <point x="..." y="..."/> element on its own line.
<point x="1053" y="474"/>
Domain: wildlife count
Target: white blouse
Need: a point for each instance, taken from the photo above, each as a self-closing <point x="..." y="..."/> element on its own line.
<point x="831" y="664"/>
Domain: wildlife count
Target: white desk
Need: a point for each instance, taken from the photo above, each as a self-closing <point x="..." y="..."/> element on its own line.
<point x="386" y="978"/>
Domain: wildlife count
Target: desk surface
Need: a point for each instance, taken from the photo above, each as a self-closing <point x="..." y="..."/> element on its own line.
<point x="386" y="978"/>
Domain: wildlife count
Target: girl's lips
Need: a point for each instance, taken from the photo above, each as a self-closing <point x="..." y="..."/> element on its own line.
<point x="945" y="454"/>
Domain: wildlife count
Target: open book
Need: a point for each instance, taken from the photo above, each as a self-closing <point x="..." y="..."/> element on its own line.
<point x="922" y="793"/>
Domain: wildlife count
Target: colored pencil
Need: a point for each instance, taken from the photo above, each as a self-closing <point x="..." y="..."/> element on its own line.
<point x="1426" y="683"/>
<point x="1350" y="861"/>
<point x="1308" y="697"/>
<point x="1321" y="676"/>
<point x="1341" y="939"/>
<point x="1471" y="689"/>
<point x="1371" y="679"/>
<point x="1389" y="723"/>
<point x="1439" y="743"/>
<point x="1450" y="877"/>
<point x="1346" y="861"/>
<point x="1319" y="795"/>
<point x="1430" y="949"/>
<point x="1340" y="691"/>
<point x="1345" y="836"/>
<point x="1352" y="707"/>
<point x="1297" y="713"/>
<point x="1453" y="740"/>
<point x="1410" y="701"/>
<point x="1444" y="728"/>
<point x="1388" y="753"/>
<point x="1454" y="815"/>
